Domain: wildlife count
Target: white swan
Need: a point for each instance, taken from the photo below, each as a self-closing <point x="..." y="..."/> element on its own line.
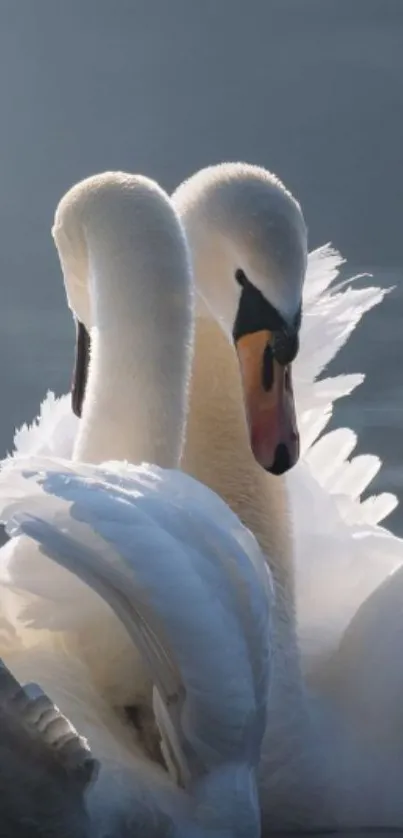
<point x="245" y="229"/>
<point x="241" y="218"/>
<point x="122" y="247"/>
<point x="137" y="301"/>
<point x="238" y="215"/>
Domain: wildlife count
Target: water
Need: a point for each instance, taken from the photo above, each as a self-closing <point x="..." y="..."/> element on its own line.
<point x="308" y="88"/>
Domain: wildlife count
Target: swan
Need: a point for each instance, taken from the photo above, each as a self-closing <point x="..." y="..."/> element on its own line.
<point x="106" y="229"/>
<point x="248" y="242"/>
<point x="137" y="301"/>
<point x="324" y="565"/>
<point x="242" y="223"/>
<point x="211" y="694"/>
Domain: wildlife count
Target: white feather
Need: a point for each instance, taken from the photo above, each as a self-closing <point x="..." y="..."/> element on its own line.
<point x="342" y="554"/>
<point x="331" y="313"/>
<point x="201" y="588"/>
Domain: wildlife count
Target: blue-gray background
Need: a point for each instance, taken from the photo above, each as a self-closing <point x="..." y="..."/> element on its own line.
<point x="312" y="89"/>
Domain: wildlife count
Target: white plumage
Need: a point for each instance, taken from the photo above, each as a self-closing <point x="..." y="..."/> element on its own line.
<point x="345" y="555"/>
<point x="318" y="769"/>
<point x="349" y="554"/>
<point x="157" y="548"/>
<point x="123" y="531"/>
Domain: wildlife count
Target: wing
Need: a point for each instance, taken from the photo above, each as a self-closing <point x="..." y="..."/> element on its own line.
<point x="188" y="592"/>
<point x="342" y="554"/>
<point x="52" y="433"/>
<point x="331" y="313"/>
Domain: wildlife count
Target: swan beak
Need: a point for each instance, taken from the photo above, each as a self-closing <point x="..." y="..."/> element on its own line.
<point x="269" y="403"/>
<point x="79" y="382"/>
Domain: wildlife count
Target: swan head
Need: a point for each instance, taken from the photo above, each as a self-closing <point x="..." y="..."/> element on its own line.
<point x="248" y="242"/>
<point x="116" y="280"/>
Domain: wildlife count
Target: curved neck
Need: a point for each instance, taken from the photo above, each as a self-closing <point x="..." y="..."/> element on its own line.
<point x="217" y="453"/>
<point x="136" y="395"/>
<point x="217" y="449"/>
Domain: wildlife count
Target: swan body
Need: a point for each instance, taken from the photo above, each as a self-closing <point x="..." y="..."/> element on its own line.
<point x="189" y="549"/>
<point x="314" y="771"/>
<point x="95" y="523"/>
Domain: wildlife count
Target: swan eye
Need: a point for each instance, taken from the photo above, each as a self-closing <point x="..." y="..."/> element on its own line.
<point x="240" y="277"/>
<point x="285" y="346"/>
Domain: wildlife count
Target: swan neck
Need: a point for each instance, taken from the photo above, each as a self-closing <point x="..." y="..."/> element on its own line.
<point x="217" y="449"/>
<point x="136" y="395"/>
<point x="217" y="453"/>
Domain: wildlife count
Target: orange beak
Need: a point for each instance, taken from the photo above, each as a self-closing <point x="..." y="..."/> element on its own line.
<point x="269" y="403"/>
